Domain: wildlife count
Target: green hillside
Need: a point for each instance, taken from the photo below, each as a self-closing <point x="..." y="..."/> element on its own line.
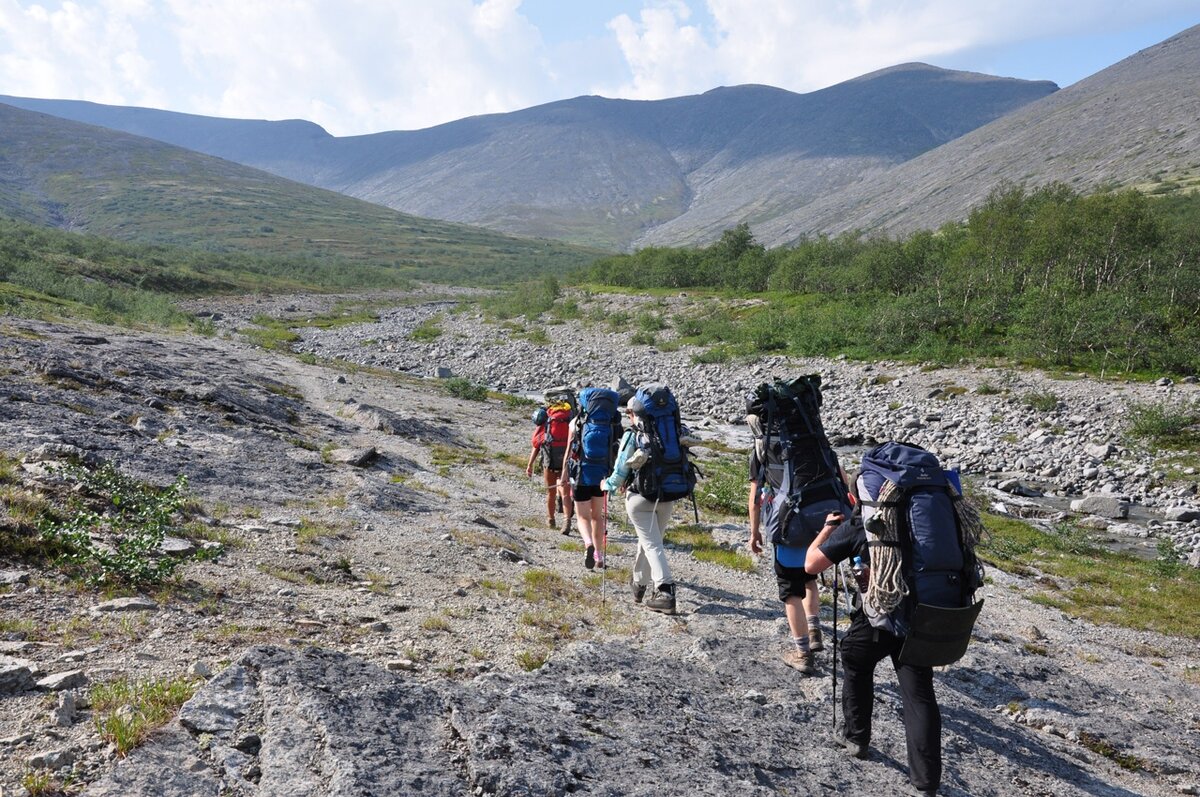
<point x="1108" y="282"/>
<point x="81" y="178"/>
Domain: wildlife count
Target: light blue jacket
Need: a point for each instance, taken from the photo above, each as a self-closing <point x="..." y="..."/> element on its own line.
<point x="621" y="472"/>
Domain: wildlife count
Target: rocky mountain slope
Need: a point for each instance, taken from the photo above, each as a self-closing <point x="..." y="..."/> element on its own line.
<point x="375" y="621"/>
<point x="613" y="172"/>
<point x="1136" y="123"/>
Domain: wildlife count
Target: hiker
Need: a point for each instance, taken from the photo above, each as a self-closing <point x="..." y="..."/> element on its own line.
<point x="549" y="443"/>
<point x="589" y="462"/>
<point x="907" y="507"/>
<point x="653" y="470"/>
<point x="794" y="482"/>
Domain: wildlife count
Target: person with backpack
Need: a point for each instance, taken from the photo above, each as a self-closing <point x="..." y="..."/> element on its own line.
<point x="552" y="425"/>
<point x="654" y="470"/>
<point x="912" y="538"/>
<point x="795" y="481"/>
<point x="590" y="444"/>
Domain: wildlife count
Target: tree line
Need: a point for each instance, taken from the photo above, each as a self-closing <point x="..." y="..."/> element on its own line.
<point x="1106" y="282"/>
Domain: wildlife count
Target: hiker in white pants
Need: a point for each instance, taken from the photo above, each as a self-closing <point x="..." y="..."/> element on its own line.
<point x="649" y="518"/>
<point x="650" y="566"/>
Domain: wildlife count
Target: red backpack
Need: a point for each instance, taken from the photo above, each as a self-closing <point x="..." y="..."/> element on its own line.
<point x="554" y="436"/>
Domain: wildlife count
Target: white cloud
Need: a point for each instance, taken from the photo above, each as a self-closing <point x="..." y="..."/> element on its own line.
<point x="358" y="66"/>
<point x="804" y="45"/>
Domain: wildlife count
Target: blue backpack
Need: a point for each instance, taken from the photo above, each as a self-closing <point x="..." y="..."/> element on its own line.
<point x="592" y="451"/>
<point x="920" y="517"/>
<point x="668" y="474"/>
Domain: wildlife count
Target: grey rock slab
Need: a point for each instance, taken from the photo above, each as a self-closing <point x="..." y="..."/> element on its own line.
<point x="16" y="675"/>
<point x="355" y="457"/>
<point x="176" y="546"/>
<point x="51" y="759"/>
<point x="138" y="604"/>
<point x="1182" y="514"/>
<point x="369" y="731"/>
<point x="170" y="765"/>
<point x="60" y="681"/>
<point x="1108" y="506"/>
<point x="63" y="713"/>
<point x="9" y="578"/>
<point x="217" y="708"/>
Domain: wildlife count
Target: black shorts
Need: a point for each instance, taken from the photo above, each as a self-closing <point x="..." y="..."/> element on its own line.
<point x="791" y="581"/>
<point x="586" y="492"/>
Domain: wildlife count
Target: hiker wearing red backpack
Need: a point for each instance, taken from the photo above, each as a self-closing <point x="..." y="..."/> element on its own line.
<point x="550" y="434"/>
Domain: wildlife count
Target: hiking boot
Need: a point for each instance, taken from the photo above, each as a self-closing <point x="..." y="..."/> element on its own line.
<point x="853" y="749"/>
<point x="800" y="660"/>
<point x="816" y="642"/>
<point x="919" y="792"/>
<point x="567" y="527"/>
<point x="550" y="523"/>
<point x="662" y="600"/>
<point x="638" y="590"/>
<point x="589" y="557"/>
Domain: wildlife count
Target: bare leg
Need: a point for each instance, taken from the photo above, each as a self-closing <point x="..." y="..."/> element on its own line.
<point x="796" y="617"/>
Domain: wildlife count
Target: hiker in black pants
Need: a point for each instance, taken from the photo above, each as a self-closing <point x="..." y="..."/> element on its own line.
<point x="863" y="647"/>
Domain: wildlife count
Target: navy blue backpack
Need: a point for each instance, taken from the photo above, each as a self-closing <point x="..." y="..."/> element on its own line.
<point x="592" y="450"/>
<point x="668" y="474"/>
<point x="912" y="505"/>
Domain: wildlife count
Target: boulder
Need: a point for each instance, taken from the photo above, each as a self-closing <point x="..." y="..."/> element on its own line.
<point x="10" y="578"/>
<point x="62" y="681"/>
<point x="138" y="604"/>
<point x="354" y="457"/>
<point x="1100" y="451"/>
<point x="176" y="546"/>
<point x="1108" y="506"/>
<point x="16" y="675"/>
<point x="1181" y="514"/>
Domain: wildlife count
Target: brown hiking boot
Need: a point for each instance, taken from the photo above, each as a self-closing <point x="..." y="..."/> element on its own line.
<point x="550" y="523"/>
<point x="816" y="642"/>
<point x="800" y="661"/>
<point x="567" y="527"/>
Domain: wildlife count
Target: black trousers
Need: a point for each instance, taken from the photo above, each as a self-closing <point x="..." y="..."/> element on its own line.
<point x="862" y="649"/>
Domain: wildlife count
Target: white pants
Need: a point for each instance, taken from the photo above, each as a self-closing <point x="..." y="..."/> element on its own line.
<point x="650" y="566"/>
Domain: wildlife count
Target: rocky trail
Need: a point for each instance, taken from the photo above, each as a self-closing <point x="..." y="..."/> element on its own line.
<point x="383" y="611"/>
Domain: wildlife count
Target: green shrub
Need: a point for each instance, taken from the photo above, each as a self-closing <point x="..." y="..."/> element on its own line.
<point x="131" y="518"/>
<point x="1042" y="401"/>
<point x="463" y="388"/>
<point x="642" y="338"/>
<point x="713" y="356"/>
<point x="1163" y="426"/>
<point x="426" y="332"/>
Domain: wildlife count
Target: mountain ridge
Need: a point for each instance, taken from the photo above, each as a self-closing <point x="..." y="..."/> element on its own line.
<point x="619" y="172"/>
<point x="1119" y="126"/>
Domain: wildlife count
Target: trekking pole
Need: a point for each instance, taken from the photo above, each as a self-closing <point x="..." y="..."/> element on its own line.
<point x="835" y="645"/>
<point x="604" y="546"/>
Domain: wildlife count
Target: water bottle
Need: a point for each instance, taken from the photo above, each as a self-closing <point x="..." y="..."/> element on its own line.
<point x="861" y="573"/>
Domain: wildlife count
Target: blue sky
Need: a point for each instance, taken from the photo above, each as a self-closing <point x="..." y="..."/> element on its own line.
<point x="360" y="66"/>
